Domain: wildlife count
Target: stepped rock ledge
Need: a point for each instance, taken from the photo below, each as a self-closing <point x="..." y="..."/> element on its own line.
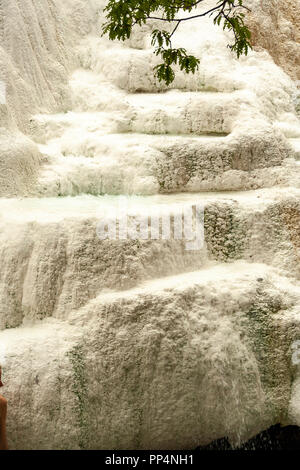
<point x="142" y="344"/>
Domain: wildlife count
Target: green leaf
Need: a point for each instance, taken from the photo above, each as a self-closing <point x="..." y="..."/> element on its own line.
<point x="123" y="15"/>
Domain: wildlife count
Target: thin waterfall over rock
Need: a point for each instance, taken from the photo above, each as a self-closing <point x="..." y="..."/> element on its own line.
<point x="142" y="343"/>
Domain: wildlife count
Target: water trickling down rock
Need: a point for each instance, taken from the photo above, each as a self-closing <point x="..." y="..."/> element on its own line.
<point x="139" y="344"/>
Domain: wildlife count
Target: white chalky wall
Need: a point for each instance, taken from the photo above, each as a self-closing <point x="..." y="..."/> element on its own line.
<point x="142" y="344"/>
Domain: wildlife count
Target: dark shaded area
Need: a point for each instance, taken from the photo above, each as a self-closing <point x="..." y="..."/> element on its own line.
<point x="274" y="438"/>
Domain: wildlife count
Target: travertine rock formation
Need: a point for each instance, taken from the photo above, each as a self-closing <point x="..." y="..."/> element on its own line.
<point x="275" y="26"/>
<point x="129" y="344"/>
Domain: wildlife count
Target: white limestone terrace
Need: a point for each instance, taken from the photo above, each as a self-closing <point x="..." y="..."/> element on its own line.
<point x="205" y="140"/>
<point x="50" y="247"/>
<point x="129" y="344"/>
<point x="139" y="370"/>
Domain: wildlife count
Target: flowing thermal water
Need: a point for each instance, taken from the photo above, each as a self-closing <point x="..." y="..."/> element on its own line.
<point x="129" y="344"/>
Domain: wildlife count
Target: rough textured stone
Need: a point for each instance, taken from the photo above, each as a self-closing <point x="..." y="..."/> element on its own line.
<point x="175" y="364"/>
<point x="275" y="26"/>
<point x="139" y="344"/>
